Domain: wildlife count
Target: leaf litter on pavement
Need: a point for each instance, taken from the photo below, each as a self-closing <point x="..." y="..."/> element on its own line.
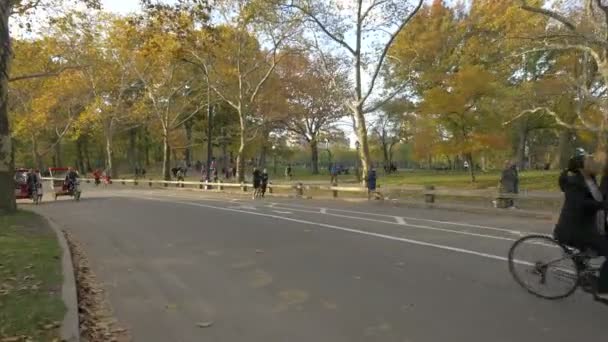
<point x="97" y="322"/>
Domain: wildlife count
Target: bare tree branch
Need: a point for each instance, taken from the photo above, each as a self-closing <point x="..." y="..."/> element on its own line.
<point x="548" y="13"/>
<point x="371" y="7"/>
<point x="323" y="28"/>
<point x="549" y="47"/>
<point x="555" y="116"/>
<point x="386" y="49"/>
<point x="46" y="74"/>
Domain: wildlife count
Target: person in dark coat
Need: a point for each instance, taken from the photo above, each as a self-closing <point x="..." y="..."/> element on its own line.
<point x="371" y="182"/>
<point x="32" y="181"/>
<point x="509" y="181"/>
<point x="264" y="182"/>
<point x="582" y="221"/>
<point x="257" y="182"/>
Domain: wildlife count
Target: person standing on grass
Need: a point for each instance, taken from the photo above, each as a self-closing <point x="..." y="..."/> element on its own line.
<point x="180" y="174"/>
<point x="288" y="172"/>
<point x="509" y="182"/>
<point x="333" y="171"/>
<point x="371" y="182"/>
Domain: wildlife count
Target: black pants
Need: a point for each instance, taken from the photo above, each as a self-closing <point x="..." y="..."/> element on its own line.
<point x="600" y="245"/>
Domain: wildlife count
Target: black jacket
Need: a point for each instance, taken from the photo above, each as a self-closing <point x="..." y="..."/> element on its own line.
<point x="257" y="178"/>
<point x="577" y="221"/>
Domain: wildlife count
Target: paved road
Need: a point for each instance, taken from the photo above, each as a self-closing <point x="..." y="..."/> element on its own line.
<point x="287" y="270"/>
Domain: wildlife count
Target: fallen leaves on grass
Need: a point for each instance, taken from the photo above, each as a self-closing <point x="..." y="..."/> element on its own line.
<point x="96" y="319"/>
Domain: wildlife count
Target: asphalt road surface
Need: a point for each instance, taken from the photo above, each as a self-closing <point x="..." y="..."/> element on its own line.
<point x="287" y="270"/>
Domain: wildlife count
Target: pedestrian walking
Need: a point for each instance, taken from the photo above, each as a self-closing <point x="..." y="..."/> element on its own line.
<point x="264" y="184"/>
<point x="257" y="182"/>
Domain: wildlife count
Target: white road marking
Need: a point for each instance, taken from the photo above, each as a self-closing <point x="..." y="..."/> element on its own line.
<point x="405" y="224"/>
<point x="354" y="231"/>
<point x="271" y="205"/>
<point x="409" y="225"/>
<point x="400" y="220"/>
<point x="282" y="212"/>
<point x="244" y="207"/>
<point x="289" y="206"/>
<point x="515" y="232"/>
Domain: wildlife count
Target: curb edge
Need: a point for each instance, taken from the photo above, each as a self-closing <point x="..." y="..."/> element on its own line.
<point x="70" y="327"/>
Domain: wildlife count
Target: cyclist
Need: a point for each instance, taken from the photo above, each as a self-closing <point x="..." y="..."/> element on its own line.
<point x="70" y="179"/>
<point x="257" y="180"/>
<point x="582" y="219"/>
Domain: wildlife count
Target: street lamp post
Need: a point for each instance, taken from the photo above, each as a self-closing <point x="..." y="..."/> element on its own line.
<point x="358" y="147"/>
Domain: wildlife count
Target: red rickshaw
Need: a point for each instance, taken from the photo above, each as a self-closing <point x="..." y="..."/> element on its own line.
<point x="60" y="186"/>
<point x="21" y="187"/>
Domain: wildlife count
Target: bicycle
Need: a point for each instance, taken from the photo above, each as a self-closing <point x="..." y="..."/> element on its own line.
<point x="557" y="276"/>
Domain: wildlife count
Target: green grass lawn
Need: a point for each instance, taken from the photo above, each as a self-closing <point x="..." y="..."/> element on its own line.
<point x="529" y="180"/>
<point x="30" y="279"/>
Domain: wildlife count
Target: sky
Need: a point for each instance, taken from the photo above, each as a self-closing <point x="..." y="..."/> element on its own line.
<point x="128" y="6"/>
<point x="121" y="6"/>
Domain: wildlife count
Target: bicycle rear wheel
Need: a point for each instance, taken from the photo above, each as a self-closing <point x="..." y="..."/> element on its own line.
<point x="543" y="267"/>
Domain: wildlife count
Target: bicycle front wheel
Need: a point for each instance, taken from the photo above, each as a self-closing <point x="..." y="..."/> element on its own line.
<point x="543" y="267"/>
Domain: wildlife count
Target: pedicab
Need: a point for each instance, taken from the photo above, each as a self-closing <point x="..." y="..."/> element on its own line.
<point x="21" y="187"/>
<point x="61" y="186"/>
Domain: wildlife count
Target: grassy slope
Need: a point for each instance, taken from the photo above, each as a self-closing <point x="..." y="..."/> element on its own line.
<point x="30" y="278"/>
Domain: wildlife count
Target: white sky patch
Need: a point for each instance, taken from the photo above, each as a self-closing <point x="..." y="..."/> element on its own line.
<point x="121" y="6"/>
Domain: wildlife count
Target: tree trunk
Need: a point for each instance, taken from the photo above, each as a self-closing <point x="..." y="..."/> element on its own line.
<point x="35" y="155"/>
<point x="87" y="157"/>
<point x="314" y="156"/>
<point x="146" y="147"/>
<point x="189" y="142"/>
<point x="361" y="131"/>
<point x="79" y="159"/>
<point x="385" y="154"/>
<point x="7" y="161"/>
<point x="132" y="149"/>
<point x="564" y="149"/>
<point x="520" y="154"/>
<point x="58" y="160"/>
<point x="166" y="156"/>
<point x="240" y="167"/>
<point x="110" y="156"/>
<point x="209" y="138"/>
<point x="263" y="155"/>
<point x="471" y="166"/>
